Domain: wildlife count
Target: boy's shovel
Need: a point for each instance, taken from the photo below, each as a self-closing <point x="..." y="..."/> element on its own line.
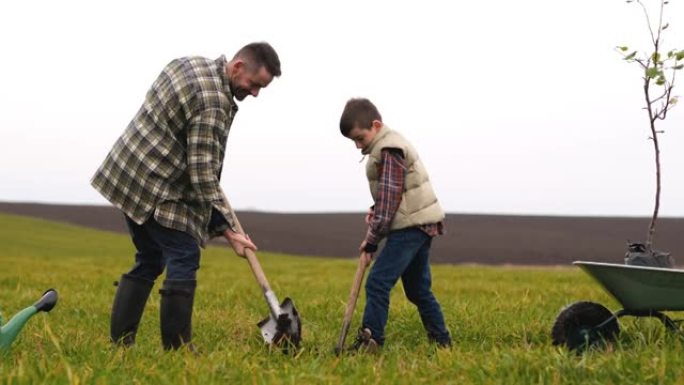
<point x="282" y="327"/>
<point x="351" y="304"/>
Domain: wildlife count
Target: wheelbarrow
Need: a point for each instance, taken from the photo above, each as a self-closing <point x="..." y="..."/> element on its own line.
<point x="642" y="291"/>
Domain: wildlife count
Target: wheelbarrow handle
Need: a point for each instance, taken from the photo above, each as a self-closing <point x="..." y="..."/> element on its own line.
<point x="351" y="304"/>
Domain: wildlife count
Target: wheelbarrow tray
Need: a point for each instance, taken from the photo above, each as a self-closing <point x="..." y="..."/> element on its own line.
<point x="639" y="288"/>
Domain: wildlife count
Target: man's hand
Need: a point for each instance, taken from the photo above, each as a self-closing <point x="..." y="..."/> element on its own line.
<point x="369" y="216"/>
<point x="239" y="242"/>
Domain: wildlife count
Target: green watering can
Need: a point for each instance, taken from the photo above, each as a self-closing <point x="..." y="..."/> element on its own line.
<point x="9" y="331"/>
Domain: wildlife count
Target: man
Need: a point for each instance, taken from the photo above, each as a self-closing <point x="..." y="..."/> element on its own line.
<point x="163" y="173"/>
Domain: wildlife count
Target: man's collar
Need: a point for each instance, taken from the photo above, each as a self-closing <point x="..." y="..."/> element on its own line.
<point x="221" y="64"/>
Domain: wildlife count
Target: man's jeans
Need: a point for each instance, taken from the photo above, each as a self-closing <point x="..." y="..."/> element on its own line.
<point x="159" y="247"/>
<point x="405" y="255"/>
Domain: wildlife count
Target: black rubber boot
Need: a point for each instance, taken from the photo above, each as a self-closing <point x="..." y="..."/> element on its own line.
<point x="129" y="303"/>
<point x="177" y="297"/>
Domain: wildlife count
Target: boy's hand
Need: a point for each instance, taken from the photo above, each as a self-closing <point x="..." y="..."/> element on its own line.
<point x="369" y="216"/>
<point x="239" y="242"/>
<point x="366" y="257"/>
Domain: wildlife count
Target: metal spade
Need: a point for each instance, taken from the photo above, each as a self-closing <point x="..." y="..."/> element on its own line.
<point x="283" y="326"/>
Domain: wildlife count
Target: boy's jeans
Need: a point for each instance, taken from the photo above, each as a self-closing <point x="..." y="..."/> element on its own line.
<point x="158" y="247"/>
<point x="405" y="255"/>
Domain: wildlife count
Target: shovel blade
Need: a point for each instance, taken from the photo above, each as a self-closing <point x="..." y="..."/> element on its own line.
<point x="284" y="331"/>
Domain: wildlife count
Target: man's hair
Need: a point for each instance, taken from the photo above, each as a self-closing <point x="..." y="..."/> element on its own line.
<point x="260" y="54"/>
<point x="358" y="112"/>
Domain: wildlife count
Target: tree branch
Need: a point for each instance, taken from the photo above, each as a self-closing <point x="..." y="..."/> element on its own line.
<point x="648" y="22"/>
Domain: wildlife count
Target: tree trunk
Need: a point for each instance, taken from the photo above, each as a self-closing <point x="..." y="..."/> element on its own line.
<point x="656" y="148"/>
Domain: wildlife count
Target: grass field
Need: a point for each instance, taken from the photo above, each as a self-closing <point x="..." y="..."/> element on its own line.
<point x="500" y="318"/>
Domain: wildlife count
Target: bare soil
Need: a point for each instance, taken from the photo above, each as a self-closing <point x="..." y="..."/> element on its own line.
<point x="482" y="239"/>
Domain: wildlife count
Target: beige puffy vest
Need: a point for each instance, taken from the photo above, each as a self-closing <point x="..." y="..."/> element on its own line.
<point x="419" y="205"/>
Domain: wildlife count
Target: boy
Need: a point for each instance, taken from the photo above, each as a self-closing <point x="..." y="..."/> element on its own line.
<point x="406" y="210"/>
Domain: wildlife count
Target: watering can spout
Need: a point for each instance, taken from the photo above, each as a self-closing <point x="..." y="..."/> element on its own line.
<point x="9" y="331"/>
<point x="47" y="301"/>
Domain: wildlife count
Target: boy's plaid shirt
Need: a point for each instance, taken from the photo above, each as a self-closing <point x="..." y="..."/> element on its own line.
<point x="168" y="161"/>
<point x="392" y="171"/>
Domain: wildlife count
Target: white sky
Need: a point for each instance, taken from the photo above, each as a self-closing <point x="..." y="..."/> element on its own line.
<point x="518" y="107"/>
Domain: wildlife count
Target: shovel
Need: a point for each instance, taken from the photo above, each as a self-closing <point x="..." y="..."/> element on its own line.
<point x="282" y="327"/>
<point x="351" y="305"/>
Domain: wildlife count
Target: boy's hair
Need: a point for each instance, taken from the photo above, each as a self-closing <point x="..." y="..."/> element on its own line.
<point x="358" y="112"/>
<point x="261" y="55"/>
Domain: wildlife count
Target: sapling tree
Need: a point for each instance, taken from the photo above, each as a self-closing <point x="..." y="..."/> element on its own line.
<point x="659" y="69"/>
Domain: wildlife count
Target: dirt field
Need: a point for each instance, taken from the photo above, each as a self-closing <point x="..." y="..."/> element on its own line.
<point x="485" y="239"/>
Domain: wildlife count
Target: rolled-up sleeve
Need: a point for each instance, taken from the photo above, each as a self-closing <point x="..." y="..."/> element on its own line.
<point x="204" y="153"/>
<point x="392" y="170"/>
<point x="204" y="159"/>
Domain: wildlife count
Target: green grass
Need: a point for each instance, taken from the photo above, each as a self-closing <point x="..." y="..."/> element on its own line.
<point x="500" y="318"/>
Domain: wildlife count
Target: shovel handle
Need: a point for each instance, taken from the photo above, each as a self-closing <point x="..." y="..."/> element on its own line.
<point x="351" y="304"/>
<point x="258" y="272"/>
<point x="253" y="261"/>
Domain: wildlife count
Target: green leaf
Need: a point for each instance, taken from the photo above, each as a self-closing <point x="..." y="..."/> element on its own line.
<point x="673" y="100"/>
<point x="652" y="72"/>
<point x="631" y="56"/>
<point x="680" y="55"/>
<point x="660" y="81"/>
<point x="655" y="57"/>
<point x="678" y="67"/>
<point x="623" y="48"/>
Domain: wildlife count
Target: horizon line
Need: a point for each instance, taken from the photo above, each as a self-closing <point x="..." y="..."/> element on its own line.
<point x="332" y="212"/>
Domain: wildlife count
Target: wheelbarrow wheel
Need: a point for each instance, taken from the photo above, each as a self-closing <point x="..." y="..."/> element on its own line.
<point x="583" y="324"/>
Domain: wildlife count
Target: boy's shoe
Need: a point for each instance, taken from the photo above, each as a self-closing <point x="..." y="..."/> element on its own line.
<point x="444" y="343"/>
<point x="364" y="343"/>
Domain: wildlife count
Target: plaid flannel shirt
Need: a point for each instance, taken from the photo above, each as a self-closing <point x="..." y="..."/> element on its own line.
<point x="168" y="161"/>
<point x="392" y="171"/>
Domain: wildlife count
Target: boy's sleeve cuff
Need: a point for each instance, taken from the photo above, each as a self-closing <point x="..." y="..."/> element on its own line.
<point x="370" y="248"/>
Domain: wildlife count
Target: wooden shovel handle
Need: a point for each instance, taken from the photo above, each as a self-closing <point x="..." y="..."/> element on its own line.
<point x="253" y="261"/>
<point x="351" y="304"/>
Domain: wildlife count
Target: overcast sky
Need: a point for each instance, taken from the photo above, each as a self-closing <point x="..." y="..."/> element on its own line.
<point x="516" y="107"/>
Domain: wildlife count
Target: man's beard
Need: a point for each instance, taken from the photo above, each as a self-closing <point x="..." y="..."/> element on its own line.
<point x="241" y="94"/>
